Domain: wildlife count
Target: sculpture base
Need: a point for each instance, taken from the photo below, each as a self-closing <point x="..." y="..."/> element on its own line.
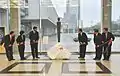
<point x="58" y="51"/>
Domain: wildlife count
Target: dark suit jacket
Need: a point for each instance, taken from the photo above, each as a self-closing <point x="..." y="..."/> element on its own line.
<point x="109" y="36"/>
<point x="98" y="39"/>
<point x="6" y="40"/>
<point x="83" y="38"/>
<point x="33" y="36"/>
<point x="20" y="39"/>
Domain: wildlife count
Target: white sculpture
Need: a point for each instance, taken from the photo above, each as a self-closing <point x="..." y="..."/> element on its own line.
<point x="58" y="52"/>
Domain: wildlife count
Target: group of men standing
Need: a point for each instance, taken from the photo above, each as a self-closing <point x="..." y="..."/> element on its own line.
<point x="103" y="43"/>
<point x="9" y="40"/>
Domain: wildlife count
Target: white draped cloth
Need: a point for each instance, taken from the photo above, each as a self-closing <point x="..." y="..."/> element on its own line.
<point x="58" y="52"/>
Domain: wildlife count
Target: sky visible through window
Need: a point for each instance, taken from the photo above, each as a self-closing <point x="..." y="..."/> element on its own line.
<point x="90" y="10"/>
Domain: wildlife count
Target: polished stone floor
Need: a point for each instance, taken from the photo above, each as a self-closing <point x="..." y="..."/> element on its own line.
<point x="71" y="67"/>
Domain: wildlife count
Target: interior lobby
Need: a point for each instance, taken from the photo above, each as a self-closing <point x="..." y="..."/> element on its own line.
<point x="17" y="15"/>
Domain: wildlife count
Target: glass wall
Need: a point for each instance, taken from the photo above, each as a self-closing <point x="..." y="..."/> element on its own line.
<point x="43" y="15"/>
<point x="91" y="19"/>
<point x="85" y="14"/>
<point x="116" y="24"/>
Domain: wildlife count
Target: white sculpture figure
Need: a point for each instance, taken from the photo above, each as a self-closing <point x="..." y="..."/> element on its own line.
<point x="58" y="52"/>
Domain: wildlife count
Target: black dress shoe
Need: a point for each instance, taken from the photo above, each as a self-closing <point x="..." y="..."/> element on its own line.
<point x="9" y="60"/>
<point x="37" y="57"/>
<point x="65" y="59"/>
<point x="97" y="59"/>
<point x="104" y="59"/>
<point x="23" y="59"/>
<point x="50" y="58"/>
<point x="12" y="59"/>
<point x="94" y="58"/>
<point x="107" y="59"/>
<point x="79" y="57"/>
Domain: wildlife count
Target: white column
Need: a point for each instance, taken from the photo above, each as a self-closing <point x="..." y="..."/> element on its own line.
<point x="106" y="14"/>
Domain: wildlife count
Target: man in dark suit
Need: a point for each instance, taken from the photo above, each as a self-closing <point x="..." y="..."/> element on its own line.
<point x="58" y="29"/>
<point x="21" y="44"/>
<point x="98" y="42"/>
<point x="83" y="41"/>
<point x="34" y="37"/>
<point x="8" y="41"/>
<point x="107" y="37"/>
